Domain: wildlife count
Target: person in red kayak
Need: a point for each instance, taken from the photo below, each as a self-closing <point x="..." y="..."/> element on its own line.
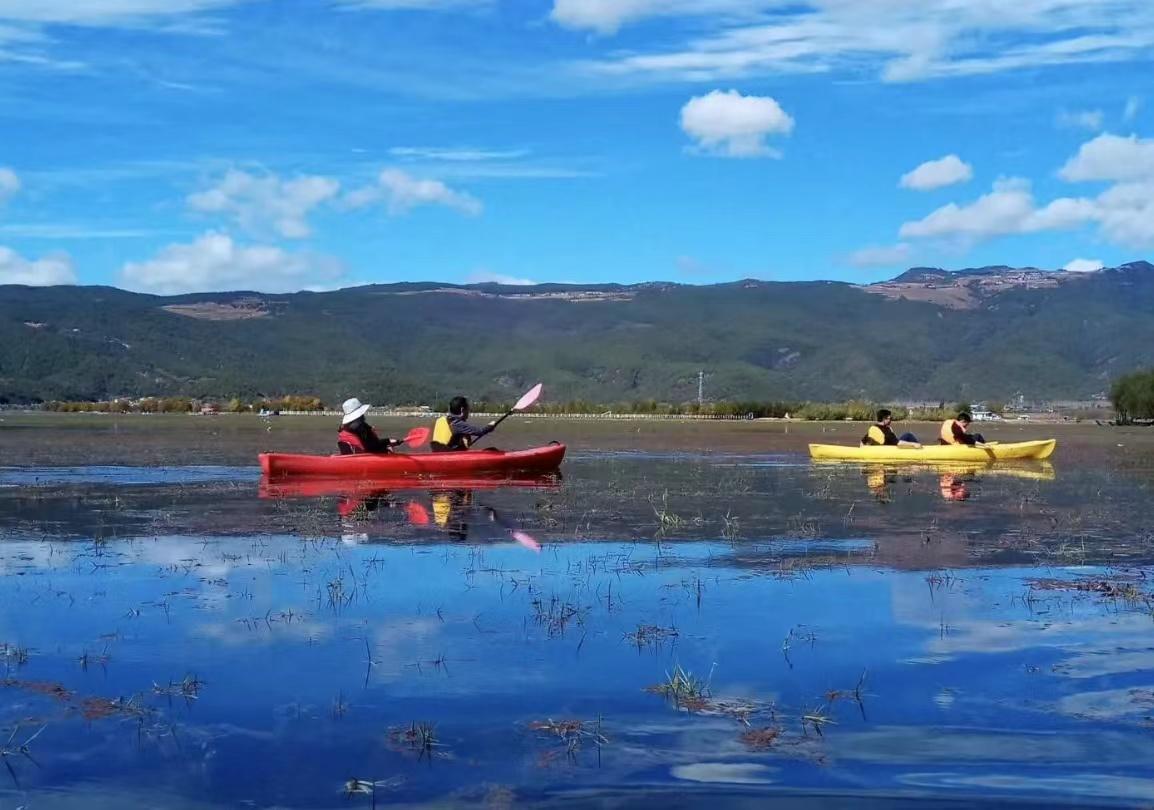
<point x="453" y="431"/>
<point x="358" y="436"/>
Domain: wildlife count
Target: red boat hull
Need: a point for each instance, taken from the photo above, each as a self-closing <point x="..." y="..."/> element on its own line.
<point x="367" y="466"/>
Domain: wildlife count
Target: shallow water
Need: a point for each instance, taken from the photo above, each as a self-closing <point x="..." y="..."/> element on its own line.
<point x="184" y="637"/>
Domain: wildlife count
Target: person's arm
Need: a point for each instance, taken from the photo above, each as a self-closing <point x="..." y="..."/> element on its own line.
<point x="962" y="437"/>
<point x="463" y="428"/>
<point x="375" y="444"/>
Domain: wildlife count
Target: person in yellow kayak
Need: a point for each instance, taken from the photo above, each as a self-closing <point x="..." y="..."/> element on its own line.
<point x="453" y="431"/>
<point x="957" y="431"/>
<point x="882" y="433"/>
<point x="358" y="436"/>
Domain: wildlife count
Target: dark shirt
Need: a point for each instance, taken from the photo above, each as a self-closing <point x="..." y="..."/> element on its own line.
<point x="369" y="438"/>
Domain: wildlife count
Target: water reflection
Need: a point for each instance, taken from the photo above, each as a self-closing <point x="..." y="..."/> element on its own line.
<point x="450" y="507"/>
<point x="954" y="480"/>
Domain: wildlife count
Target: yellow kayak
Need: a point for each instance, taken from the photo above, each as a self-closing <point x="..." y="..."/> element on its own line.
<point x="936" y="452"/>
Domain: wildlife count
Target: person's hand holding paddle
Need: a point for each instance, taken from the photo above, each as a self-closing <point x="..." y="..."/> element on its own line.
<point x="524" y="403"/>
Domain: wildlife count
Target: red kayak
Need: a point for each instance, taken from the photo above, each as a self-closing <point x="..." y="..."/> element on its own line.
<point x="399" y="465"/>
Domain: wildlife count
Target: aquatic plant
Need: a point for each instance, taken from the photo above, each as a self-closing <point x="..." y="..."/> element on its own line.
<point x="572" y="732"/>
<point x="684" y="688"/>
<point x="666" y="519"/>
<point x="761" y="739"/>
<point x="417" y="736"/>
<point x="650" y="635"/>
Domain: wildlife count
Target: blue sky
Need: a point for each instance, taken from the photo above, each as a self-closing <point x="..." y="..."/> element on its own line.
<point x="183" y="145"/>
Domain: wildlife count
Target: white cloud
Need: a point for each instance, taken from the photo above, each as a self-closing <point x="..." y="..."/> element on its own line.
<point x="103" y="12"/>
<point x="267" y="204"/>
<point x="881" y="255"/>
<point x="937" y="174"/>
<point x="402" y="192"/>
<point x="1130" y="111"/>
<point x="455" y="153"/>
<point x="1111" y="157"/>
<point x="78" y="231"/>
<point x="45" y="272"/>
<point x="1083" y="266"/>
<point x="728" y="124"/>
<point x="1008" y="209"/>
<point x="485" y="277"/>
<point x="1125" y="213"/>
<point x="608" y="16"/>
<point x="9" y="184"/>
<point x="901" y="41"/>
<point x="214" y="262"/>
<point x="1081" y="119"/>
<point x="414" y="5"/>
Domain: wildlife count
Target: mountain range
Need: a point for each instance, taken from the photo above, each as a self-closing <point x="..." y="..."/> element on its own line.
<point x="928" y="334"/>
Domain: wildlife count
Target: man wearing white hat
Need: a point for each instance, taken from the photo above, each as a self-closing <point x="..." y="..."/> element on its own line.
<point x="357" y="435"/>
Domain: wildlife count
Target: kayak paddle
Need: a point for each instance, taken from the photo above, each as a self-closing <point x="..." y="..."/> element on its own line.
<point x="416" y="437"/>
<point x="524" y="403"/>
<point x="418" y="514"/>
<point x="527" y="540"/>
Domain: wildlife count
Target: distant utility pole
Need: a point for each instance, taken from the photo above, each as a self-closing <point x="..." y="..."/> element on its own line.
<point x="701" y="388"/>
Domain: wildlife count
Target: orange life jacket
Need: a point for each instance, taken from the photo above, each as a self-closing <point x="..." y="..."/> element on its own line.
<point x="947" y="432"/>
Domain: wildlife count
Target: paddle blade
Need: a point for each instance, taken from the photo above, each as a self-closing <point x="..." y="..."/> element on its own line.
<point x="531" y="397"/>
<point x="527" y="541"/>
<point x="418" y="515"/>
<point x="416" y="437"/>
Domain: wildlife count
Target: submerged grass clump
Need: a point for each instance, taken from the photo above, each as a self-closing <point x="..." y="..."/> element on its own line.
<point x="650" y="635"/>
<point x="761" y="739"/>
<point x="685" y="689"/>
<point x="187" y="688"/>
<point x="419" y="737"/>
<point x="555" y="614"/>
<point x="14" y="654"/>
<point x="572" y="733"/>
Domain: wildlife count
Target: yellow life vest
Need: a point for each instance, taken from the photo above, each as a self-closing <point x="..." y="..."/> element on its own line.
<point x="442" y="508"/>
<point x="876" y="435"/>
<point x="947" y="434"/>
<point x="442" y="432"/>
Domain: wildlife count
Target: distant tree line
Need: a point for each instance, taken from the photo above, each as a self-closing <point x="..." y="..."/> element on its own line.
<point x="1133" y="396"/>
<point x="293" y="402"/>
<point x="856" y="410"/>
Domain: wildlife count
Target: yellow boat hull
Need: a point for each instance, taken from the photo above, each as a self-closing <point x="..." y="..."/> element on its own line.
<point x="936" y="452"/>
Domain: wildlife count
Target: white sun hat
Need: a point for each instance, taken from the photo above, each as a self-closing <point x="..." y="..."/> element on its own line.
<point x="353" y="410"/>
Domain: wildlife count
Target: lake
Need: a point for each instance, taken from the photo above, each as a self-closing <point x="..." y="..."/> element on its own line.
<point x="692" y="612"/>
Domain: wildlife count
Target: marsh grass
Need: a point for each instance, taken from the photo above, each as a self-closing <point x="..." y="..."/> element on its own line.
<point x="555" y="614"/>
<point x="418" y="737"/>
<point x="19" y="748"/>
<point x="572" y="733"/>
<point x="187" y="688"/>
<point x="666" y="519"/>
<point x="651" y="635"/>
<point x="1119" y="587"/>
<point x="761" y="739"/>
<point x="684" y="689"/>
<point x="366" y="787"/>
<point x="731" y="526"/>
<point x="14" y="654"/>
